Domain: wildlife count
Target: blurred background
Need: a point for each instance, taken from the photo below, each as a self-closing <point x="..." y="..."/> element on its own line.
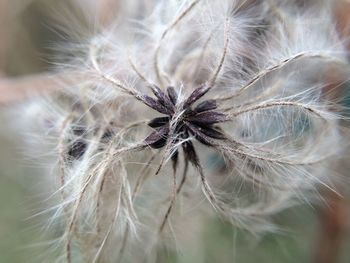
<point x="317" y="234"/>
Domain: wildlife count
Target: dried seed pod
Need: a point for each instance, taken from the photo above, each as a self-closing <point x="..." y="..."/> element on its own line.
<point x="219" y="85"/>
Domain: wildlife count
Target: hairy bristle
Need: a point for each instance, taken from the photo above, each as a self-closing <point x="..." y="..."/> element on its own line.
<point x="166" y="85"/>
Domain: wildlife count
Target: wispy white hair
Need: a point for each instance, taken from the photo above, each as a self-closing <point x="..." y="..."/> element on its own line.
<point x="267" y="63"/>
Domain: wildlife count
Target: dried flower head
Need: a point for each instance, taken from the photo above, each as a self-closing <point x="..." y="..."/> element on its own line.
<point x="238" y="88"/>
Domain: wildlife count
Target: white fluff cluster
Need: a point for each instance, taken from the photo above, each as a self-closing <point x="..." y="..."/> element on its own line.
<point x="267" y="65"/>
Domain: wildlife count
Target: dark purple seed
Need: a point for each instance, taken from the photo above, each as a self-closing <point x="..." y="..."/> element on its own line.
<point x="159" y="143"/>
<point x="152" y="103"/>
<point x="175" y="159"/>
<point x="158" y="122"/>
<point x="157" y="139"/>
<point x="214" y="133"/>
<point x="162" y="98"/>
<point x="190" y="153"/>
<point x="206" y="106"/>
<point x="76" y="150"/>
<point x="199" y="135"/>
<point x="172" y="95"/>
<point x="208" y="117"/>
<point x="196" y="95"/>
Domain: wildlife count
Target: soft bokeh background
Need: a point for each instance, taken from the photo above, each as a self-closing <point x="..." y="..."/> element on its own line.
<point x="309" y="233"/>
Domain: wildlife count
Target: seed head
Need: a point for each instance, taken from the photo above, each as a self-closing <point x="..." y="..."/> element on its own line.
<point x="239" y="82"/>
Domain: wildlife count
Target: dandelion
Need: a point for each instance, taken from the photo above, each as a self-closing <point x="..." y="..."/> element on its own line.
<point x="241" y="82"/>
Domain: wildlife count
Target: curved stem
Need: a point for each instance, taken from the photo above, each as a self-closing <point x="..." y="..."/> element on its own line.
<point x="276" y="104"/>
<point x="275" y="160"/>
<point x="265" y="93"/>
<point x="116" y="213"/>
<point x="71" y="224"/>
<point x="207" y="190"/>
<point x="114" y="82"/>
<point x="165" y="33"/>
<point x="138" y="72"/>
<point x="142" y="177"/>
<point x="138" y="183"/>
<point x="184" y="177"/>
<point x="201" y="56"/>
<point x="278" y="66"/>
<point x="223" y="56"/>
<point x="172" y="202"/>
